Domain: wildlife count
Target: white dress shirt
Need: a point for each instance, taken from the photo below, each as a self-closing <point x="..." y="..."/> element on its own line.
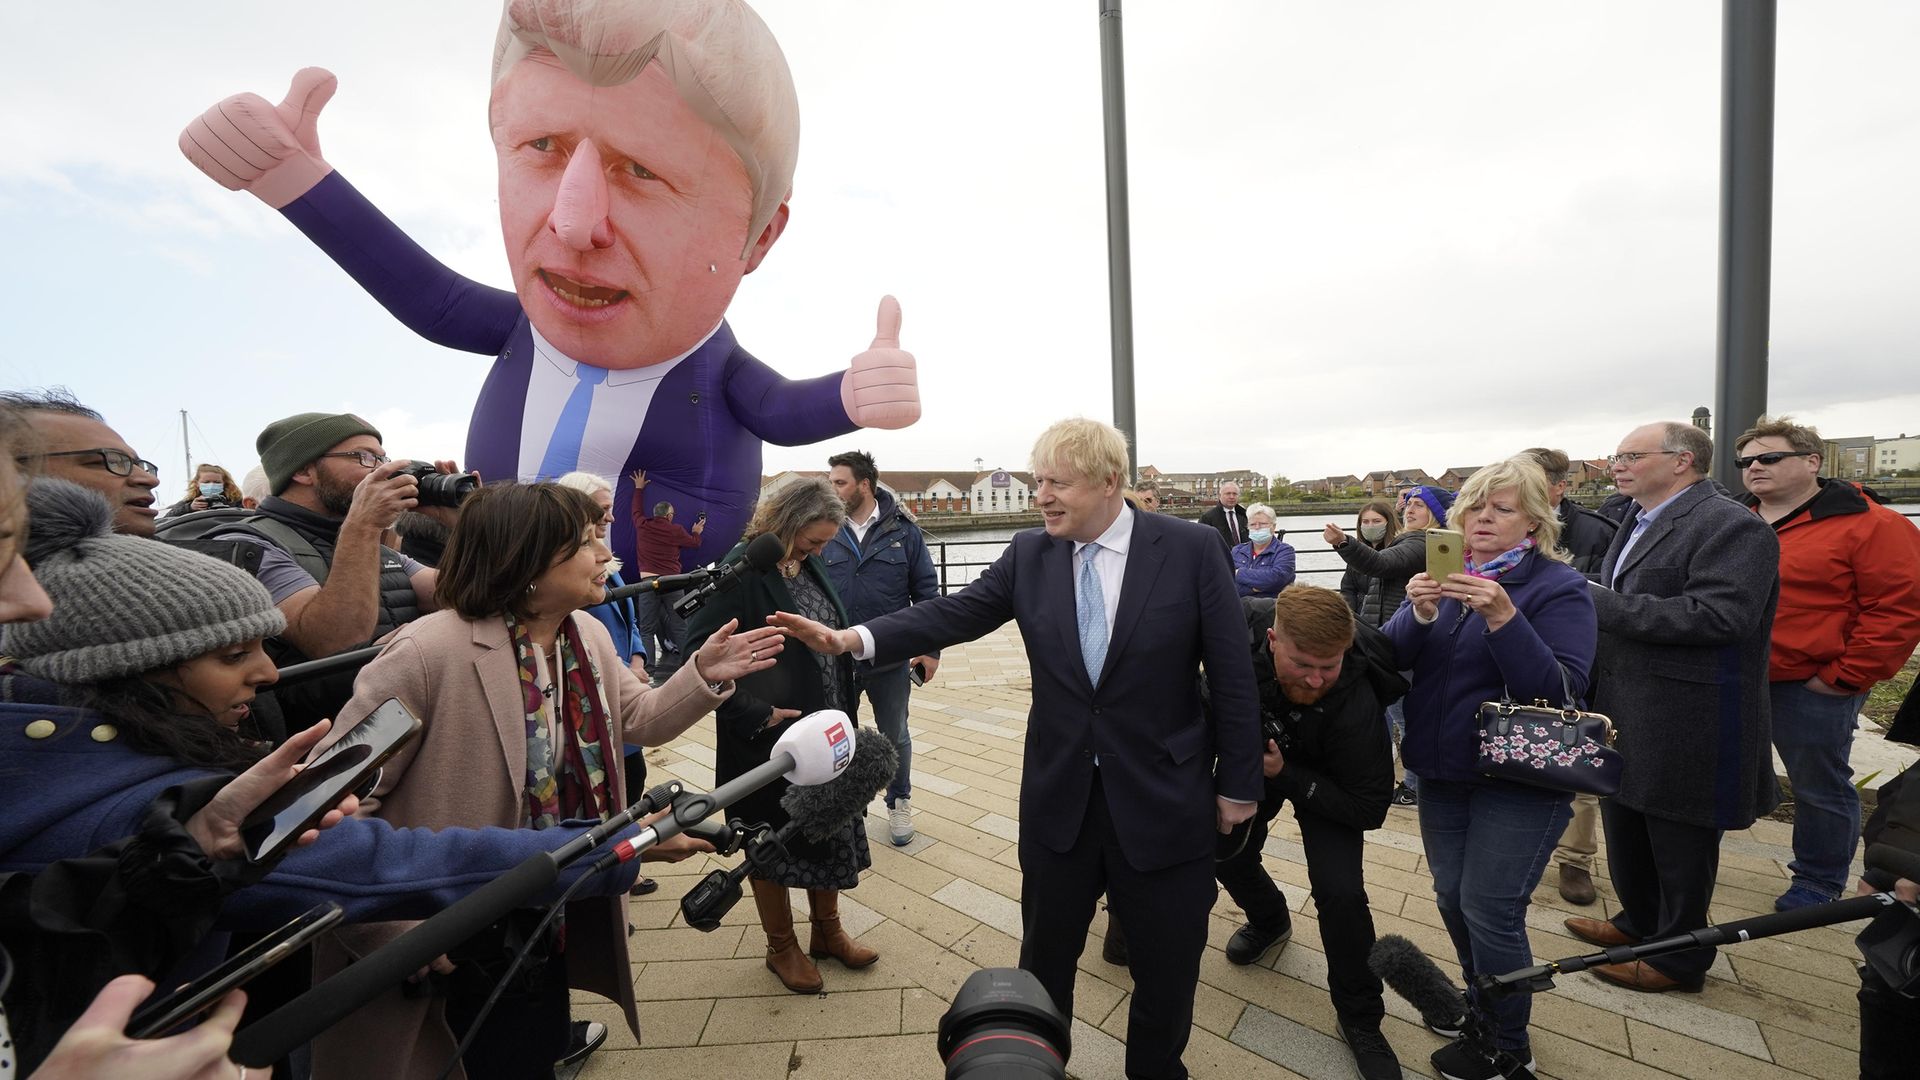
<point x="860" y="527"/>
<point x="618" y="407"/>
<point x="1110" y="564"/>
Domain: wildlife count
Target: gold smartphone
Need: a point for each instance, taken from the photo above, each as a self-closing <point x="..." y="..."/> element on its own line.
<point x="1446" y="554"/>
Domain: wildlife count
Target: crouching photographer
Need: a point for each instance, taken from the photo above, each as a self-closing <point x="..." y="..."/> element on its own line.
<point x="1325" y="684"/>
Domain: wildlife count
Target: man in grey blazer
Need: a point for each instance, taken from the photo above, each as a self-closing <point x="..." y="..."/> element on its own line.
<point x="1685" y="603"/>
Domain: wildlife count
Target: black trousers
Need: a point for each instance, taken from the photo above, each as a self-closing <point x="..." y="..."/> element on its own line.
<point x="528" y="1029"/>
<point x="1887" y="1024"/>
<point x="1167" y="909"/>
<point x="1339" y="897"/>
<point x="1664" y="872"/>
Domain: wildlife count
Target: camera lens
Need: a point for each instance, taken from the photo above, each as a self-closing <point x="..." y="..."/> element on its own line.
<point x="1003" y="1026"/>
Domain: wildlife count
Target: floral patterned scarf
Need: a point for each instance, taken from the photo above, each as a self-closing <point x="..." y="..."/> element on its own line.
<point x="579" y="786"/>
<point x="1493" y="568"/>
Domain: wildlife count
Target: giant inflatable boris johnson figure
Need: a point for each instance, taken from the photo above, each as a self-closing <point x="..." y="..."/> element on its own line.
<point x="646" y="152"/>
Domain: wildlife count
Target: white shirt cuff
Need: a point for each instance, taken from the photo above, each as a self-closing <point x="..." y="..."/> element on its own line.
<point x="866" y="643"/>
<point x="1424" y="622"/>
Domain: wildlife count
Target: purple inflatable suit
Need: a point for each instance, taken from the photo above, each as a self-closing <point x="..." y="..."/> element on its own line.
<point x="646" y="150"/>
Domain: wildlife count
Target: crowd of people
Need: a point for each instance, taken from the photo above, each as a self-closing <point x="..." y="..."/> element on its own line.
<point x="1190" y="691"/>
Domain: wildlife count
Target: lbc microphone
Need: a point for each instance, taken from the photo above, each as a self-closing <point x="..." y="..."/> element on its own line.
<point x="816" y="812"/>
<point x="763" y="553"/>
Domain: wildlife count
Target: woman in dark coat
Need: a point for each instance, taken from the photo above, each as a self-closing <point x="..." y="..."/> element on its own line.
<point x="1373" y="598"/>
<point x="805" y="516"/>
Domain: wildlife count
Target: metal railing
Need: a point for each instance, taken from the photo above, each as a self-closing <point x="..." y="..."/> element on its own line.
<point x="945" y="565"/>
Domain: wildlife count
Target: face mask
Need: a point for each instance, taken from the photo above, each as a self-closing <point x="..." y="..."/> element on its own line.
<point x="213" y="490"/>
<point x="1373" y="532"/>
<point x="1259" y="536"/>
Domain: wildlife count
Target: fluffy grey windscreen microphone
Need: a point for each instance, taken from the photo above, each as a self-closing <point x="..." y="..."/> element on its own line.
<point x="824" y="809"/>
<point x="1414" y="976"/>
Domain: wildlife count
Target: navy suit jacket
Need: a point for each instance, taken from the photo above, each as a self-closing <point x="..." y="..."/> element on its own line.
<point x="1162" y="758"/>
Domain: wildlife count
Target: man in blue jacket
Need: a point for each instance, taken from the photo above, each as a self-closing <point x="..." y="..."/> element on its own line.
<point x="879" y="564"/>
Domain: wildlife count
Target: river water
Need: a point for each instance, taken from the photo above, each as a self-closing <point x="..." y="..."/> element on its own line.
<point x="982" y="546"/>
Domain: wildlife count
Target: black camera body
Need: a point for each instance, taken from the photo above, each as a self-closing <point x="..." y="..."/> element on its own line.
<point x="1274" y="726"/>
<point x="438" y="488"/>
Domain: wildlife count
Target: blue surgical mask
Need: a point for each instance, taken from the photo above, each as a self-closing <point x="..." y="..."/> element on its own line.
<point x="213" y="490"/>
<point x="1259" y="536"/>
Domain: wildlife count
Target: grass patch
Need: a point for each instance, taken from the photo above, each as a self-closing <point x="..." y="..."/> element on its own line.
<point x="1884" y="700"/>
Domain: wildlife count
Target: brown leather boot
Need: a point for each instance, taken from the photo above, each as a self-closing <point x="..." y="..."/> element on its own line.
<point x="784" y="957"/>
<point x="828" y="939"/>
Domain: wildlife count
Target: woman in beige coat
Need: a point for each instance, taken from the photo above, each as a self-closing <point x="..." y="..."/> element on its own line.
<point x="525" y="705"/>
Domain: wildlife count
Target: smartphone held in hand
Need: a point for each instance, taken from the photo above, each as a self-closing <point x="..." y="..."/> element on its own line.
<point x="345" y="768"/>
<point x="1446" y="554"/>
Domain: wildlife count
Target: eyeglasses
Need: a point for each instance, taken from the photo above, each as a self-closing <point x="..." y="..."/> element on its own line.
<point x="367" y="458"/>
<point x="114" y="461"/>
<point x="1633" y="457"/>
<point x="1774" y="457"/>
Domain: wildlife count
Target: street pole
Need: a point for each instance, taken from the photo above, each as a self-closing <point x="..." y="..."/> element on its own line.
<point x="1119" y="246"/>
<point x="185" y="448"/>
<point x="1746" y="224"/>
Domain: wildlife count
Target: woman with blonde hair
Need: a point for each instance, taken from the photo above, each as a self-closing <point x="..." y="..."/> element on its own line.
<point x="806" y="516"/>
<point x="1390" y="563"/>
<point x="212" y="487"/>
<point x="1518" y="624"/>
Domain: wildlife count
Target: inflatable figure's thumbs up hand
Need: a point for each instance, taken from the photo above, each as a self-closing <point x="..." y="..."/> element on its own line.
<point x="881" y="389"/>
<point x="246" y="142"/>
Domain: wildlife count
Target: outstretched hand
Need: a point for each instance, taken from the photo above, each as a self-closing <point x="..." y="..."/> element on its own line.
<point x="728" y="655"/>
<point x="216" y="827"/>
<point x="246" y="143"/>
<point x="882" y="387"/>
<point x="819" y="637"/>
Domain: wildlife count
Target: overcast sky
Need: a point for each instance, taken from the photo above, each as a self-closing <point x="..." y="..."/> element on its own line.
<point x="1364" y="235"/>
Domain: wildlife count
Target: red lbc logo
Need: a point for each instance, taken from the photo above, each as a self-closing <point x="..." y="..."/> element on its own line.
<point x="837" y="738"/>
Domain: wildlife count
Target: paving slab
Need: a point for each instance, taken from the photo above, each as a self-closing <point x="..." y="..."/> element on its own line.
<point x="947" y="904"/>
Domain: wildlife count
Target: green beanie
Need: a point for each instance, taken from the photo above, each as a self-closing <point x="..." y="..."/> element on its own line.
<point x="287" y="446"/>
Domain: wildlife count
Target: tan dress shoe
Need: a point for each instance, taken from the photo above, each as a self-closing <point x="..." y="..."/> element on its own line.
<point x="1598" y="932"/>
<point x="1641" y="976"/>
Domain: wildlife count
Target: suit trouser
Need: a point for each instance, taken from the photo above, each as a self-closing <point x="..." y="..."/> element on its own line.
<point x="1581" y="841"/>
<point x="1168" y="909"/>
<point x="1339" y="896"/>
<point x="1663" y="872"/>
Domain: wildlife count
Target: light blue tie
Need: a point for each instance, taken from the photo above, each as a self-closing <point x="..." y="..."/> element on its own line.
<point x="563" y="451"/>
<point x="1092" y="608"/>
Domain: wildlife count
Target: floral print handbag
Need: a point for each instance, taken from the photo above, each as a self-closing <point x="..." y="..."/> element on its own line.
<point x="1564" y="749"/>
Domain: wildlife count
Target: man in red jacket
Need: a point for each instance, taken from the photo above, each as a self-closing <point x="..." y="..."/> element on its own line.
<point x="657" y="544"/>
<point x="1849" y="617"/>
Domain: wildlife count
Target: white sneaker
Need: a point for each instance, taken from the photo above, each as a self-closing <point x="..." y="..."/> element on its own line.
<point x="899" y="823"/>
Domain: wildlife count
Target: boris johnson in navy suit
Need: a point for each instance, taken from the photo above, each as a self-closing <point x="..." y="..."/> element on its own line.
<point x="1126" y="781"/>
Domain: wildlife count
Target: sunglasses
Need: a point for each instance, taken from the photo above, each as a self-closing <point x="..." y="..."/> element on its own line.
<point x="1772" y="458"/>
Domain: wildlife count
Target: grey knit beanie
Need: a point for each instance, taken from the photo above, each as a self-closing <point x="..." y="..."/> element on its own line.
<point x="287" y="446"/>
<point x="124" y="605"/>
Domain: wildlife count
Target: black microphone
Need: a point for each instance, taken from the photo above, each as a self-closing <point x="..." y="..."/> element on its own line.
<point x="657" y="584"/>
<point x="816" y="812"/>
<point x="326" y="665"/>
<point x="764" y="553"/>
<point x="1413" y="975"/>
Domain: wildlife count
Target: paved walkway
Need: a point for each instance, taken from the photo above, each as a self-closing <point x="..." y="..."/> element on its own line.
<point x="946" y="905"/>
